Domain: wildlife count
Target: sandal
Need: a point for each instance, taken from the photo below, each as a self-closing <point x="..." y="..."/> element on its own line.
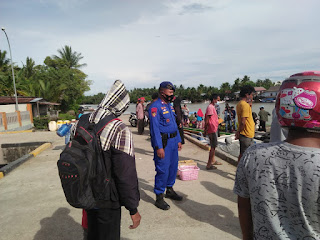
<point x="211" y="167"/>
<point x="217" y="163"/>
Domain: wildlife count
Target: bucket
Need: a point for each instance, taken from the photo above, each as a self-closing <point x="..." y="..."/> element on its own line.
<point x="63" y="130"/>
<point x="52" y="126"/>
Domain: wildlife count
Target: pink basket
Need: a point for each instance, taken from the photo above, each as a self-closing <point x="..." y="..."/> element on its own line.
<point x="188" y="172"/>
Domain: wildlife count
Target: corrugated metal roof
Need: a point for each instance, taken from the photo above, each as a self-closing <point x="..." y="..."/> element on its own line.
<point x="36" y="99"/>
<point x="274" y="89"/>
<point x="259" y="89"/>
<point x="12" y="100"/>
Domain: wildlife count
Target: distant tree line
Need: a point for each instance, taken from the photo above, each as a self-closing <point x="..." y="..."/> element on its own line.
<point x="58" y="80"/>
<point x="198" y="94"/>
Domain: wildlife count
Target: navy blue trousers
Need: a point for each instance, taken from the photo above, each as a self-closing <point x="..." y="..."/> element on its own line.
<point x="167" y="167"/>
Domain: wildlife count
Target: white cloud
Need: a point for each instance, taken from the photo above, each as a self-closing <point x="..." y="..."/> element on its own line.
<point x="186" y="42"/>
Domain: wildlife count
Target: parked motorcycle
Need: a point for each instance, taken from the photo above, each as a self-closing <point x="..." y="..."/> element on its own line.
<point x="134" y="120"/>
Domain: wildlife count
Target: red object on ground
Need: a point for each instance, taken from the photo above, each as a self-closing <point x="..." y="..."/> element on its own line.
<point x="200" y="113"/>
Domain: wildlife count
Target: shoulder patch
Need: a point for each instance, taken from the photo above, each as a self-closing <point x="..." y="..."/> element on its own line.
<point x="154" y="111"/>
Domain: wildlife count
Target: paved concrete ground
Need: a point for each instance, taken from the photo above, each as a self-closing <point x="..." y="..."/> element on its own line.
<point x="33" y="206"/>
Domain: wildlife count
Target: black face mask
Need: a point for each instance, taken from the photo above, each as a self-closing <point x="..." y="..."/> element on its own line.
<point x="168" y="98"/>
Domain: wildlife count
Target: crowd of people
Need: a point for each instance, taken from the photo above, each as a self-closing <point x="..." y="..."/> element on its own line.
<point x="277" y="183"/>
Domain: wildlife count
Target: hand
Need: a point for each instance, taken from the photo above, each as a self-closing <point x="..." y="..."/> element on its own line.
<point x="160" y="153"/>
<point x="237" y="135"/>
<point x="179" y="146"/>
<point x="135" y="220"/>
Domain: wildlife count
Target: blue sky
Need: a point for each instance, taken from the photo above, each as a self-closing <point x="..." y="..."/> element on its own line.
<point x="187" y="42"/>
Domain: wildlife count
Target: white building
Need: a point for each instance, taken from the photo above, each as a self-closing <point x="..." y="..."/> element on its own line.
<point x="271" y="92"/>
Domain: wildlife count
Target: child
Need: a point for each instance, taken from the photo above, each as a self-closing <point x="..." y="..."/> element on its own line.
<point x="200" y="119"/>
<point x="278" y="183"/>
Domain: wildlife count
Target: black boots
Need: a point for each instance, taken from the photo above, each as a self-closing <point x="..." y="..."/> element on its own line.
<point x="170" y="193"/>
<point x="160" y="203"/>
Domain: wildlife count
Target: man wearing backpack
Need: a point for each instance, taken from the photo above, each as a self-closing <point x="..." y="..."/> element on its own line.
<point x="118" y="153"/>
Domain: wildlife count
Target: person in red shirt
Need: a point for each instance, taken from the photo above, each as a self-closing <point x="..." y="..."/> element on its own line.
<point x="210" y="130"/>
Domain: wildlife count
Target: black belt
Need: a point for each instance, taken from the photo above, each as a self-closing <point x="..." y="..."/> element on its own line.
<point x="168" y="135"/>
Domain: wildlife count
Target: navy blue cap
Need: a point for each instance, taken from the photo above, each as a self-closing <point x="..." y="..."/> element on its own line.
<point x="167" y="85"/>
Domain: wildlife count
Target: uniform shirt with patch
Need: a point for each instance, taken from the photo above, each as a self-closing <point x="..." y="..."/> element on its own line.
<point x="162" y="120"/>
<point x="282" y="181"/>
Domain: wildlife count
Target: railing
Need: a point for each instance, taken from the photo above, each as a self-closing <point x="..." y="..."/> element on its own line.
<point x="25" y="116"/>
<point x="15" y="120"/>
<point x="12" y="119"/>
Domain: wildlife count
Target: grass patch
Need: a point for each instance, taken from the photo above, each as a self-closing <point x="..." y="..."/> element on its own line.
<point x="66" y="116"/>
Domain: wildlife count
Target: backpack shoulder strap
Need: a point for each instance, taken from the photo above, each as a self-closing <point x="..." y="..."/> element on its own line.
<point x="104" y="122"/>
<point x="83" y="126"/>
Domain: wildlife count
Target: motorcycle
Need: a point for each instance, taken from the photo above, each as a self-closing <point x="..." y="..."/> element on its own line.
<point x="134" y="120"/>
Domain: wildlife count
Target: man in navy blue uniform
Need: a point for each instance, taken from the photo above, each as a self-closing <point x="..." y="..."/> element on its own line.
<point x="166" y="143"/>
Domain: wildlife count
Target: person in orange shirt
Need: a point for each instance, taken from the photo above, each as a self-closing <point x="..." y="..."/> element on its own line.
<point x="246" y="128"/>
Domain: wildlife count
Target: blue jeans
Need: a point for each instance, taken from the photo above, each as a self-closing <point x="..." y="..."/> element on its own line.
<point x="235" y="124"/>
<point x="228" y="125"/>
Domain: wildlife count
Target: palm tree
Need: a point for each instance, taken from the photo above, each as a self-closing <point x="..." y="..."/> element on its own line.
<point x="4" y="61"/>
<point x="71" y="59"/>
<point x="236" y="86"/>
<point x="29" y="68"/>
<point x="245" y="80"/>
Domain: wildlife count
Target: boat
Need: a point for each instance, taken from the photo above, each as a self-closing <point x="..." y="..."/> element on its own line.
<point x="185" y="101"/>
<point x="87" y="108"/>
<point x="267" y="100"/>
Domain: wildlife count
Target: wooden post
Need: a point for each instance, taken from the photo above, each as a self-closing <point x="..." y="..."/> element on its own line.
<point x="19" y="118"/>
<point x="4" y="120"/>
<point x="38" y="109"/>
<point x="29" y="108"/>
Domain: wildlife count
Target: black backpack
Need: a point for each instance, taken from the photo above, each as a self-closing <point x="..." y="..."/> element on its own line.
<point x="85" y="175"/>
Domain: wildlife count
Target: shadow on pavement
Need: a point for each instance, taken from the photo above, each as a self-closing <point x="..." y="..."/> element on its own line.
<point x="134" y="130"/>
<point x="144" y="187"/>
<point x="59" y="226"/>
<point x="202" y="167"/>
<point x="59" y="147"/>
<point x="218" y="171"/>
<point x="222" y="192"/>
<point x="143" y="151"/>
<point x="216" y="215"/>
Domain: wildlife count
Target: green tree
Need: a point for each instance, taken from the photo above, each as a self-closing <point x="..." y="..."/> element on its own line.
<point x="4" y="61"/>
<point x="236" y="86"/>
<point x="267" y="83"/>
<point x="69" y="58"/>
<point x="29" y="68"/>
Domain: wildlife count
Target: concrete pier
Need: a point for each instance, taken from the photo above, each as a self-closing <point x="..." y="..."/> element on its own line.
<point x="33" y="205"/>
